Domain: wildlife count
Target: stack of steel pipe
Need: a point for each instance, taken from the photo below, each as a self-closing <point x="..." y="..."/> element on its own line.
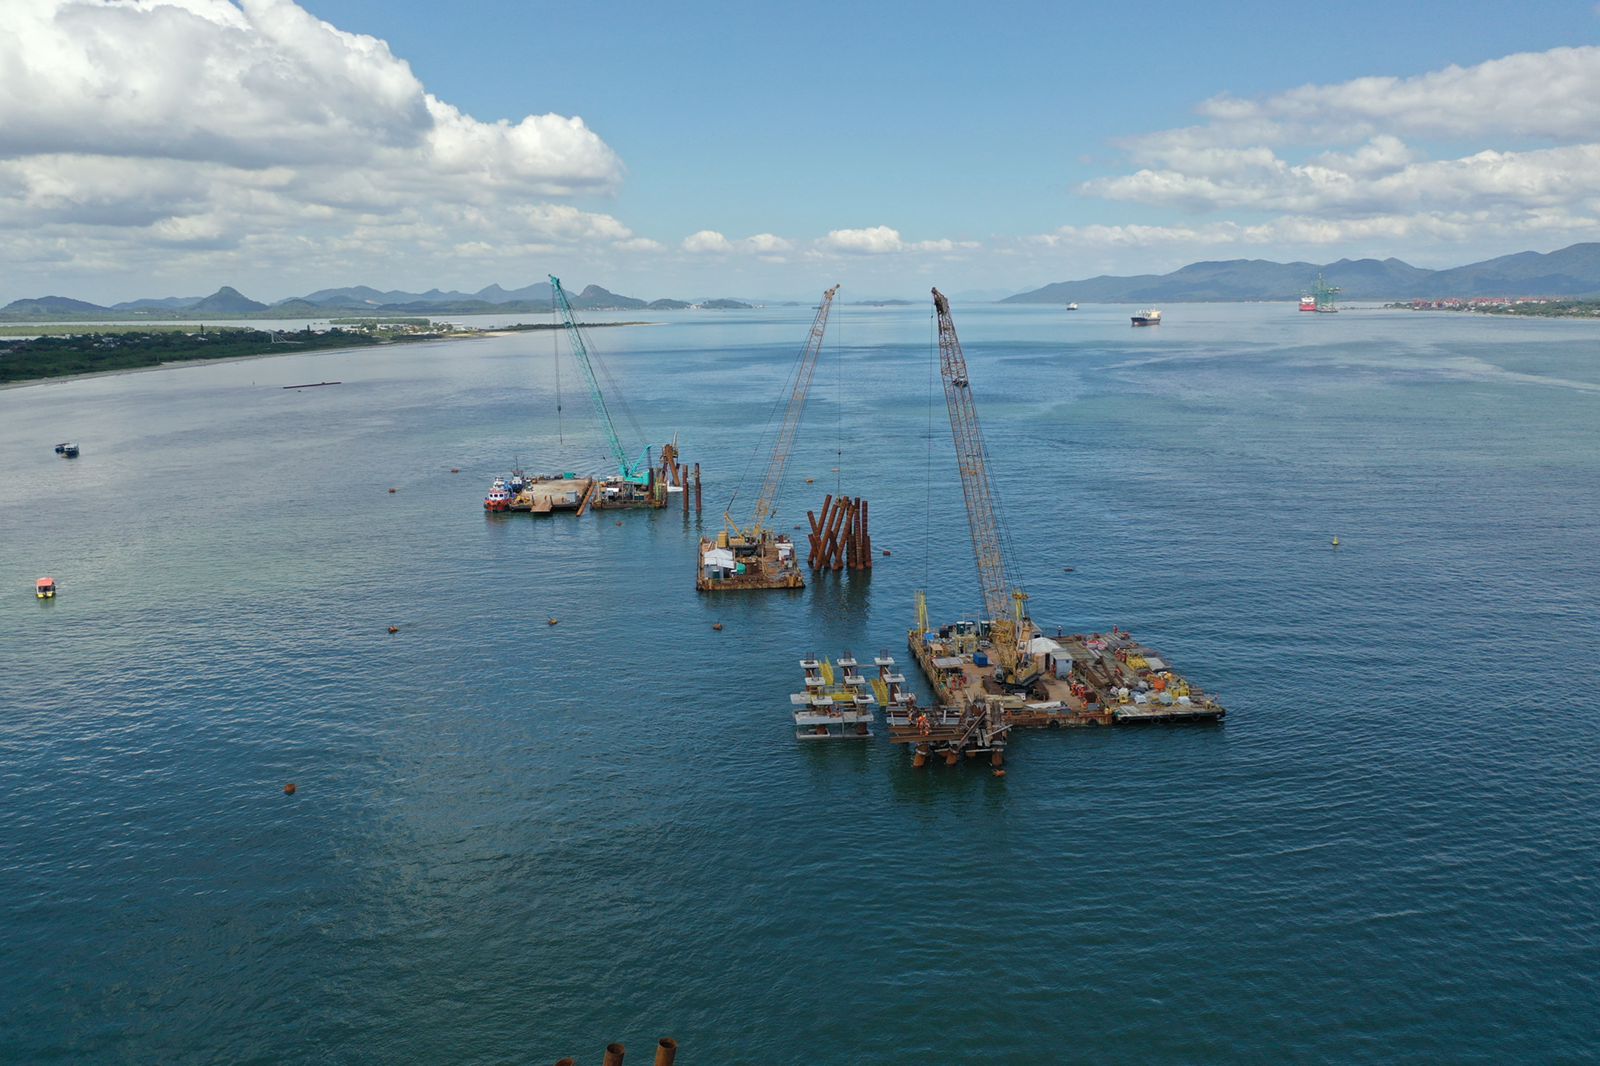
<point x="840" y="538"/>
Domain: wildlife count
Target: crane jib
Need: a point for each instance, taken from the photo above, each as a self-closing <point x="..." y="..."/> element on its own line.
<point x="773" y="480"/>
<point x="637" y="470"/>
<point x="1000" y="600"/>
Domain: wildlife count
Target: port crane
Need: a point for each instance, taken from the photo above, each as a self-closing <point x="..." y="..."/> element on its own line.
<point x="635" y="471"/>
<point x="1003" y="601"/>
<point x="755" y="557"/>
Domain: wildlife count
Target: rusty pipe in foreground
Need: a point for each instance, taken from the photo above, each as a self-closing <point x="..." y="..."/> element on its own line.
<point x="614" y="1054"/>
<point x="666" y="1051"/>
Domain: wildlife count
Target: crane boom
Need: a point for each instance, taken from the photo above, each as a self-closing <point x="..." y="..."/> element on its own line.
<point x="636" y="471"/>
<point x="767" y="501"/>
<point x="1001" y="600"/>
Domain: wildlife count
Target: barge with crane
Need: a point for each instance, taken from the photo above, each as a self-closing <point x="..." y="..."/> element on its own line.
<point x="756" y="556"/>
<point x="1002" y="673"/>
<point x="637" y="481"/>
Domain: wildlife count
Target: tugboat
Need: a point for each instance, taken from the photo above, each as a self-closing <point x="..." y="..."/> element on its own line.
<point x="518" y="482"/>
<point x="1151" y="317"/>
<point x="67" y="451"/>
<point x="1308" y="302"/>
<point x="45" y="588"/>
<point x="498" y="499"/>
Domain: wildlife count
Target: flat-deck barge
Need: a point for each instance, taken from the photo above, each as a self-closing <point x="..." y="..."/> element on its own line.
<point x="1075" y="680"/>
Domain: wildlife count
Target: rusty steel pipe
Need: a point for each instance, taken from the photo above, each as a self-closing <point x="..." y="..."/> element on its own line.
<point x="666" y="1051"/>
<point x="614" y="1054"/>
<point x="697" y="488"/>
<point x="866" y="538"/>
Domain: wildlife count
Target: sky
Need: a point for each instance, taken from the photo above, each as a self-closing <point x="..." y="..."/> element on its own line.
<point x="766" y="151"/>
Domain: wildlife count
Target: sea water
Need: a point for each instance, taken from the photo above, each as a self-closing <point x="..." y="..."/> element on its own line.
<point x="512" y="841"/>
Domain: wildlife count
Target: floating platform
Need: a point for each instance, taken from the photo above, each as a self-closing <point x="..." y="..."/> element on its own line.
<point x="838" y="701"/>
<point x="545" y="495"/>
<point x="1076" y="680"/>
<point x="759" y="560"/>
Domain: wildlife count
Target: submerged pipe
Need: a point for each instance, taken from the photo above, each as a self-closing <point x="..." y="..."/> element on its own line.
<point x="866" y="539"/>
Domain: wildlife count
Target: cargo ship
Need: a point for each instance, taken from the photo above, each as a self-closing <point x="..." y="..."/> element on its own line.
<point x="1152" y="317"/>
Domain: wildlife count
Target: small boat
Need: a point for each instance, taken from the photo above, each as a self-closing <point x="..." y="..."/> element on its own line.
<point x="67" y="451"/>
<point x="45" y="588"/>
<point x="1308" y="303"/>
<point x="1072" y="307"/>
<point x="1152" y="317"/>
<point x="498" y="499"/>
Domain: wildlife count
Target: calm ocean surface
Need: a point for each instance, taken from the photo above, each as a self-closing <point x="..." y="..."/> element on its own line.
<point x="513" y="842"/>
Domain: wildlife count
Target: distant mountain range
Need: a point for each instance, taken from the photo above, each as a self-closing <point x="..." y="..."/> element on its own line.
<point x="353" y="300"/>
<point x="1572" y="271"/>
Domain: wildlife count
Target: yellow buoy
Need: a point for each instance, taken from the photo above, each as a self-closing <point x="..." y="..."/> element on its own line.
<point x="1336" y="541"/>
<point x="553" y="621"/>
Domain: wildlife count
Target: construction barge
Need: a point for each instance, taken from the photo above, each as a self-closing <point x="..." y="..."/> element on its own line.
<point x="990" y="677"/>
<point x="756" y="556"/>
<point x="1076" y="680"/>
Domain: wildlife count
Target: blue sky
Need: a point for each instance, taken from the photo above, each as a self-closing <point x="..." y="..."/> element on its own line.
<point x="764" y="150"/>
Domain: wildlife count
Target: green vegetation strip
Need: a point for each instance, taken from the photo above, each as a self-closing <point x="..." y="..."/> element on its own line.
<point x="90" y="353"/>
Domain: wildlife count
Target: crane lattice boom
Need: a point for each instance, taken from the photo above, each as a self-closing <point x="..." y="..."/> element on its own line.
<point x="637" y="470"/>
<point x="767" y="501"/>
<point x="1002" y="602"/>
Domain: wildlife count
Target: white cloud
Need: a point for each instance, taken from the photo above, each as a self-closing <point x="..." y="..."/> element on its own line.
<point x="876" y="240"/>
<point x="1307" y="231"/>
<point x="766" y="244"/>
<point x="884" y="240"/>
<point x="131" y="129"/>
<point x="1375" y="177"/>
<point x="707" y="241"/>
<point x="1528" y="95"/>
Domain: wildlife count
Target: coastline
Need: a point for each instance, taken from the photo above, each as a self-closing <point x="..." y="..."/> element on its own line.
<point x="179" y="363"/>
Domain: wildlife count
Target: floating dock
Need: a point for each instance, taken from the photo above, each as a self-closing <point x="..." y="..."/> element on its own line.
<point x="837" y="703"/>
<point x="738" y="561"/>
<point x="547" y="493"/>
<point x="839" y="700"/>
<point x="1075" y="680"/>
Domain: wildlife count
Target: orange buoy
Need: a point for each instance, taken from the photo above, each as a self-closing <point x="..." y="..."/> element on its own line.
<point x="999" y="773"/>
<point x="288" y="790"/>
<point x="391" y="492"/>
<point x="809" y="480"/>
<point x="887" y="553"/>
<point x="716" y="627"/>
<point x="394" y="629"/>
<point x="553" y="621"/>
